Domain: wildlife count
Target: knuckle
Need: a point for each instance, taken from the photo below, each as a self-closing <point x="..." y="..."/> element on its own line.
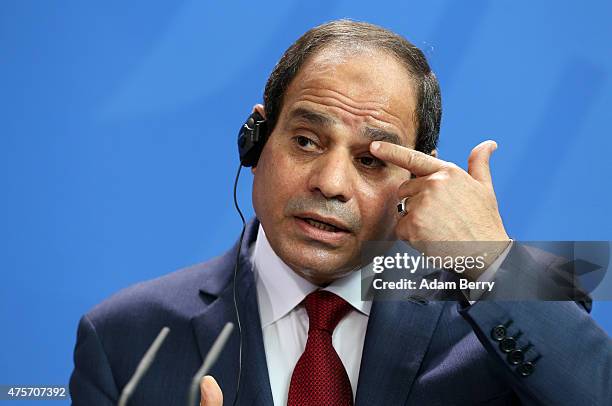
<point x="413" y="159"/>
<point x="403" y="188"/>
<point x="402" y="193"/>
<point x="415" y="221"/>
<point x="427" y="203"/>
<point x="452" y="168"/>
<point x="437" y="180"/>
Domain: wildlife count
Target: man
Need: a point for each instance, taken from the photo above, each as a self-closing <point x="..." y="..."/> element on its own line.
<point x="353" y="114"/>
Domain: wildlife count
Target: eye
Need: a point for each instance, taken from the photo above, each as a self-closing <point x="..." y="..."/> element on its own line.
<point x="305" y="142"/>
<point x="370" y="162"/>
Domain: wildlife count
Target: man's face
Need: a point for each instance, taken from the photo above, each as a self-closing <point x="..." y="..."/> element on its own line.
<point x="318" y="192"/>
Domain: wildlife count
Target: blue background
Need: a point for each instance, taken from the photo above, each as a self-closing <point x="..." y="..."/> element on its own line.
<point x="119" y="120"/>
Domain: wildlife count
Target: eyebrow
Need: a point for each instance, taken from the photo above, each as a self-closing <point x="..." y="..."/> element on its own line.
<point x="378" y="134"/>
<point x="313" y="117"/>
<point x="324" y="120"/>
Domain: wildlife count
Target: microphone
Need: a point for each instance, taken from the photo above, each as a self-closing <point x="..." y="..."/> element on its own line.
<point x="143" y="367"/>
<point x="209" y="360"/>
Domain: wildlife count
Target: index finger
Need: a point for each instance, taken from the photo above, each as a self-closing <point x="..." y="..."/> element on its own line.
<point x="416" y="162"/>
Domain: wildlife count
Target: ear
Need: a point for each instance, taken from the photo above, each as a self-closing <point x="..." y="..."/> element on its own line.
<point x="261" y="110"/>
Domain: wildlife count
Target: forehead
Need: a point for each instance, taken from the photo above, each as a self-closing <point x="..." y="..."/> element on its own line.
<point x="357" y="86"/>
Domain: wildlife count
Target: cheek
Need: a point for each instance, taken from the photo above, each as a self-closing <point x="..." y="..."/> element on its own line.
<point x="378" y="207"/>
<point x="275" y="180"/>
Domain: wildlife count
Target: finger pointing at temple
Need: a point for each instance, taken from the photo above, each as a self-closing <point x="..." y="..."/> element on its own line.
<point x="416" y="162"/>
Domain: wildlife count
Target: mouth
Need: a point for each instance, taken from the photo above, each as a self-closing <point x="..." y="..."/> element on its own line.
<point x="325" y="224"/>
<point x="321" y="225"/>
<point x="328" y="231"/>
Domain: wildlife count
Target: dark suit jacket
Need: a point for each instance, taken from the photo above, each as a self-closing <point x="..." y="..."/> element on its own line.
<point x="415" y="352"/>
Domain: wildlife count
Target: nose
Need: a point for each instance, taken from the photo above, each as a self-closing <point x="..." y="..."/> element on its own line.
<point x="333" y="176"/>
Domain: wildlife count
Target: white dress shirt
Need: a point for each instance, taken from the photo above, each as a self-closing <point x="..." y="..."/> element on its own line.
<point x="284" y="320"/>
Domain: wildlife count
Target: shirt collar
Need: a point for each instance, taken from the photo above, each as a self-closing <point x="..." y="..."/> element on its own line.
<point x="280" y="289"/>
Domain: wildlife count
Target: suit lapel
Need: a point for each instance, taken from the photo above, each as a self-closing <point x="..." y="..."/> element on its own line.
<point x="254" y="380"/>
<point x="397" y="337"/>
<point x="206" y="327"/>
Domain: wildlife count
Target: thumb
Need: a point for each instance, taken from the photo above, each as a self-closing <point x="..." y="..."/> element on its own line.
<point x="478" y="162"/>
<point x="210" y="392"/>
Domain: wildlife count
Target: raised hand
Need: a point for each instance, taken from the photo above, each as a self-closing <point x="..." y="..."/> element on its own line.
<point x="444" y="202"/>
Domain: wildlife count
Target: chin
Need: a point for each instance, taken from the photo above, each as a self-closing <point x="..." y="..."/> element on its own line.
<point x="318" y="264"/>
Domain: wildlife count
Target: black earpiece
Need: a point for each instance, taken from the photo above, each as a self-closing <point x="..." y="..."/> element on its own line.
<point x="251" y="139"/>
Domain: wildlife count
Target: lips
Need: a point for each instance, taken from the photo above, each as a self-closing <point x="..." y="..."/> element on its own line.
<point x="324" y="223"/>
<point x="321" y="226"/>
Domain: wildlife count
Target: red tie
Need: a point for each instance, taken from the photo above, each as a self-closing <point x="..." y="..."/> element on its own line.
<point x="319" y="378"/>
